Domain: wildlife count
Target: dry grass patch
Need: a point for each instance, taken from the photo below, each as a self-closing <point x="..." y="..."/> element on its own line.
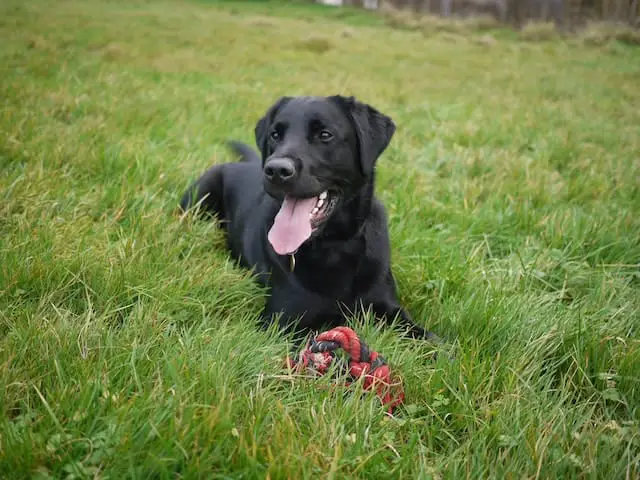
<point x="539" y="32"/>
<point x="600" y="33"/>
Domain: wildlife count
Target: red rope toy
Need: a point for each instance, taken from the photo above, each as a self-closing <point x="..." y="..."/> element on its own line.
<point x="320" y="353"/>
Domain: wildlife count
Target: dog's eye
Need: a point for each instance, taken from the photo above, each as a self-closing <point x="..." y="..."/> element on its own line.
<point x="275" y="136"/>
<point x="325" y="135"/>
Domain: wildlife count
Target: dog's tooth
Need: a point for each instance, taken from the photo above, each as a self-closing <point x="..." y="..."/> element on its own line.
<point x="320" y="203"/>
<point x="323" y="195"/>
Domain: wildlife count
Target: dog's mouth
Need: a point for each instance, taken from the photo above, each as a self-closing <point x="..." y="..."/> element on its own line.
<point x="325" y="204"/>
<point x="298" y="219"/>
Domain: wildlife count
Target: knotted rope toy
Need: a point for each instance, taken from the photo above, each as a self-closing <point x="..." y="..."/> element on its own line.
<point x="320" y="353"/>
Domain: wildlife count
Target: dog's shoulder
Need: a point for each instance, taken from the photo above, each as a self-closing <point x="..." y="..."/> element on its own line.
<point x="378" y="213"/>
<point x="376" y="232"/>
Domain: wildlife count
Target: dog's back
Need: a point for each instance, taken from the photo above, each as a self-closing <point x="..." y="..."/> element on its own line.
<point x="244" y="151"/>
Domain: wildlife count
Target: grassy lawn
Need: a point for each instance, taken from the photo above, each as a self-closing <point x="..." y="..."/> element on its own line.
<point x="128" y="345"/>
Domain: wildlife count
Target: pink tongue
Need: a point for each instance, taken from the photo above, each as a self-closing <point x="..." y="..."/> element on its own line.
<point x="292" y="225"/>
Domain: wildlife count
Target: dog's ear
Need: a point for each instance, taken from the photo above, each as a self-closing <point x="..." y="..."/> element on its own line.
<point x="374" y="130"/>
<point x="262" y="127"/>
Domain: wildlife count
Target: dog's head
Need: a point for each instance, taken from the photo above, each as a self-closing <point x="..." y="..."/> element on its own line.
<point x="316" y="152"/>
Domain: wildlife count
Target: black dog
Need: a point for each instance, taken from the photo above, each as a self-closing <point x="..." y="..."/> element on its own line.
<point x="305" y="217"/>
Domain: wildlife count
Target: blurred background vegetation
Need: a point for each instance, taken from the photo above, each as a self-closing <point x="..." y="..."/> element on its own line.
<point x="567" y="14"/>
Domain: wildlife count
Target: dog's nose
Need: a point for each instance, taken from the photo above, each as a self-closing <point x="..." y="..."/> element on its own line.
<point x="280" y="170"/>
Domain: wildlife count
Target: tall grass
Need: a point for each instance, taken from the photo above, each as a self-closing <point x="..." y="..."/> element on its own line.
<point x="128" y="343"/>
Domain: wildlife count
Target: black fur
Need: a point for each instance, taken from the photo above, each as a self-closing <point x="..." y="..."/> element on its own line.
<point x="345" y="265"/>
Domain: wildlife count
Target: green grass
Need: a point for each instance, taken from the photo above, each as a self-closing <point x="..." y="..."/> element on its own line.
<point x="128" y="345"/>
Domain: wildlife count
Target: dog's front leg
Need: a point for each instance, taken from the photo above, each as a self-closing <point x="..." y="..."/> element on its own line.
<point x="389" y="312"/>
<point x="287" y="324"/>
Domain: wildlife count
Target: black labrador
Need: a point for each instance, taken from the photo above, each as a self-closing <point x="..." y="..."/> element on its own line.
<point x="304" y="216"/>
